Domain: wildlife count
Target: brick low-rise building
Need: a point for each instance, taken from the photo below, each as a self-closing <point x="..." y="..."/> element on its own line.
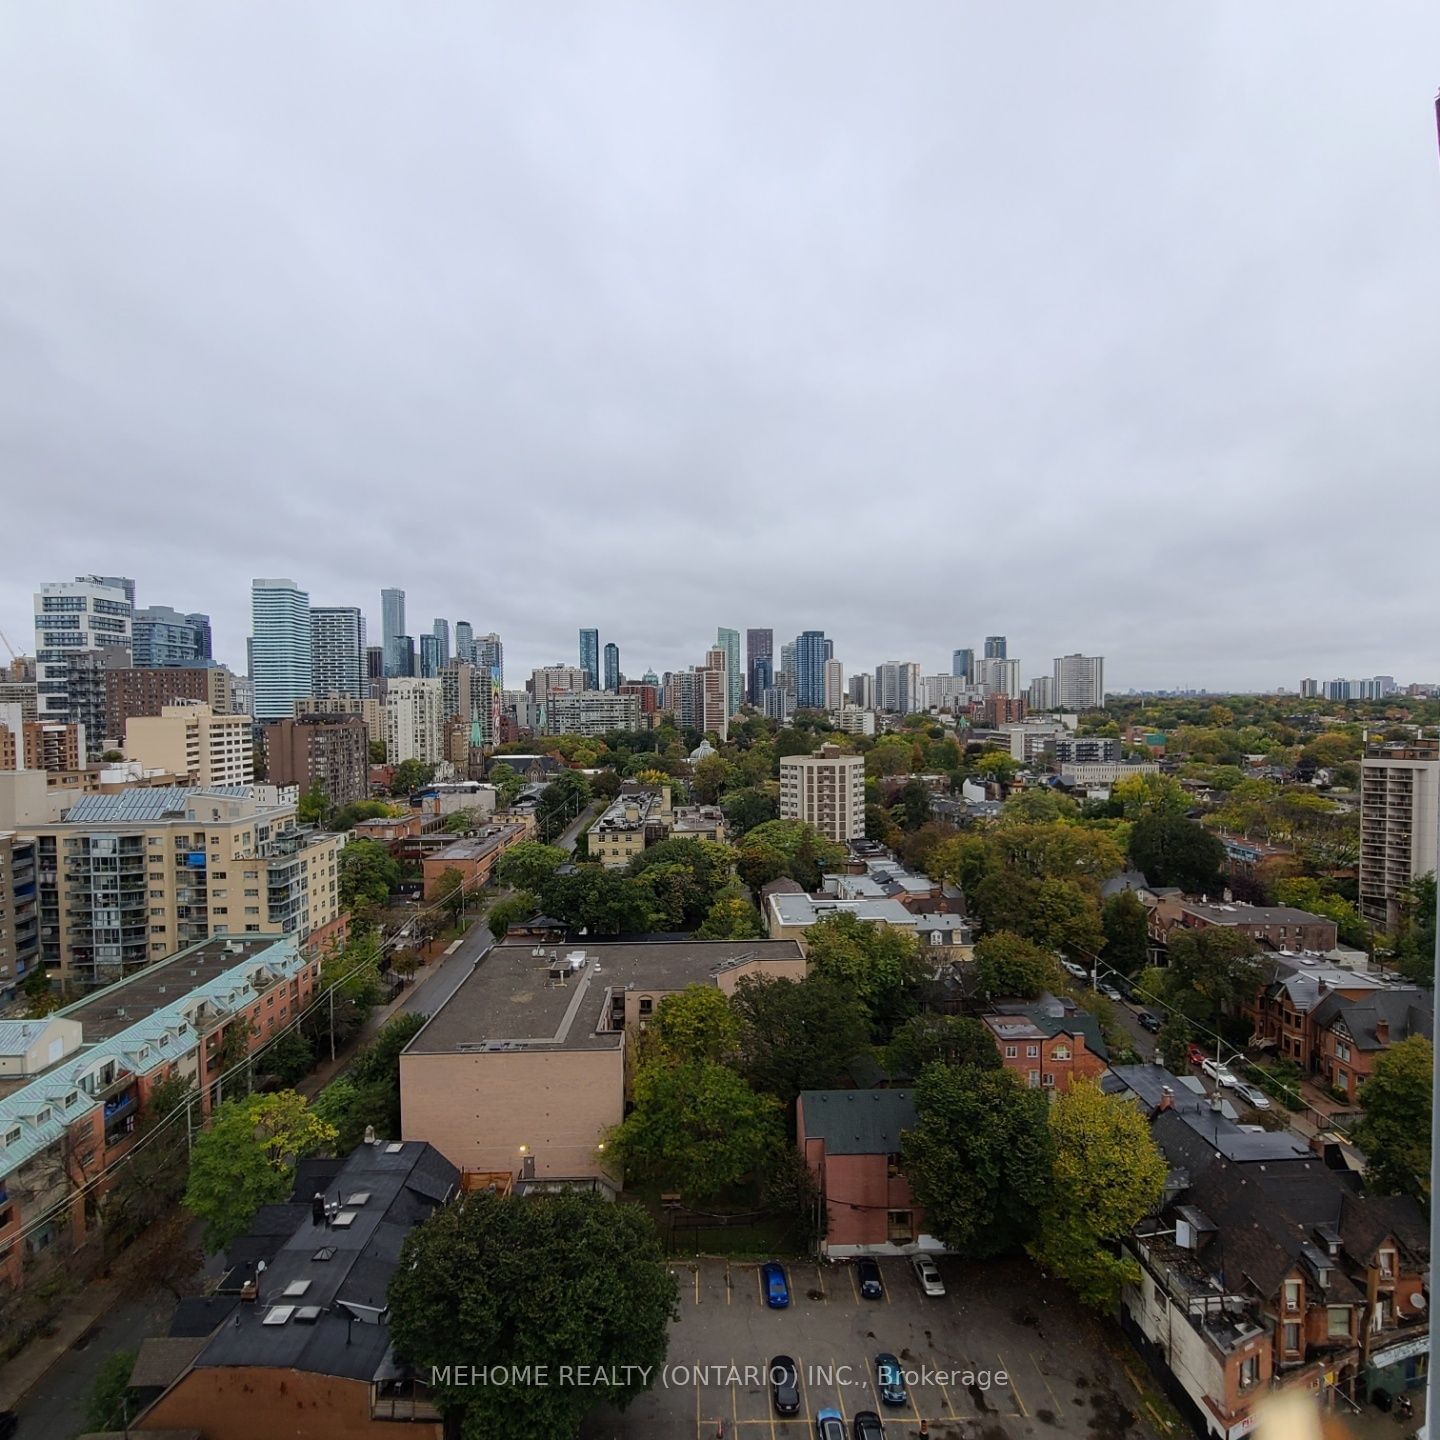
<point x="1273" y="927"/>
<point x="1049" y="1045"/>
<point x="332" y="751"/>
<point x="473" y="858"/>
<point x="851" y="1141"/>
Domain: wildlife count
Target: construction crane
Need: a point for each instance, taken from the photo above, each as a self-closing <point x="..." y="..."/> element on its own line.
<point x="6" y="639"/>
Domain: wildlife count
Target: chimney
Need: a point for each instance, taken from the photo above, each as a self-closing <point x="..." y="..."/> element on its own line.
<point x="1382" y="1032"/>
<point x="1167" y="1099"/>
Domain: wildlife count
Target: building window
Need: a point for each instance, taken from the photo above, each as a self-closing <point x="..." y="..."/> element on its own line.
<point x="1012" y="1052"/>
<point x="1342" y="1050"/>
<point x="1292" y="1294"/>
<point x="1032" y="1052"/>
<point x="1387" y="1264"/>
<point x="1060" y="1052"/>
<point x="1249" y="1371"/>
<point x="646" y="1004"/>
<point x="1034" y="1079"/>
<point x="1047" y="1081"/>
<point x="1292" y="1338"/>
<point x="1337" y="1320"/>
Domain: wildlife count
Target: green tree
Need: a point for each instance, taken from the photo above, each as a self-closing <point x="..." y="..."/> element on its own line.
<point x="1107" y="1175"/>
<point x="368" y="1094"/>
<point x="290" y="1058"/>
<point x="1415" y="939"/>
<point x="998" y="765"/>
<point x="112" y="1403"/>
<point x="798" y="1034"/>
<point x="561" y="802"/>
<point x="450" y="891"/>
<point x="528" y="865"/>
<point x="377" y="752"/>
<point x="368" y="873"/>
<point x="710" y="777"/>
<point x="1139" y="795"/>
<point x="246" y="1159"/>
<point x="601" y="901"/>
<point x="1211" y="971"/>
<point x="152" y="1178"/>
<point x="411" y="775"/>
<point x="1394" y="1126"/>
<point x="1008" y="965"/>
<point x="1127" y="935"/>
<point x="314" y="805"/>
<point x="758" y="865"/>
<point x="462" y="822"/>
<point x="1305" y="893"/>
<point x="695" y="1023"/>
<point x="979" y="1158"/>
<point x="912" y="804"/>
<point x="732" y="918"/>
<point x="697" y="1128"/>
<point x="793" y="839"/>
<point x="950" y="1039"/>
<point x="1172" y="850"/>
<point x="747" y="808"/>
<point x="548" y="1280"/>
<point x="503" y="915"/>
<point x="883" y="967"/>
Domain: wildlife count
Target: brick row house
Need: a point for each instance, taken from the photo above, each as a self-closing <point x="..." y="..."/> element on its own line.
<point x="74" y="1085"/>
<point x="1333" y="1022"/>
<point x="1264" y="1269"/>
<point x="1050" y="1044"/>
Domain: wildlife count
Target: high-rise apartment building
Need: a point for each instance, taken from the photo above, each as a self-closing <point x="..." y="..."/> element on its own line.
<point x="862" y="690"/>
<point x="826" y="790"/>
<point x="19" y="912"/>
<point x="195" y="743"/>
<point x="163" y="636"/>
<point x="759" y="645"/>
<point x="590" y="658"/>
<point x="999" y="676"/>
<point x="429" y="657"/>
<point x="127" y="879"/>
<point x="332" y="751"/>
<point x="962" y="664"/>
<point x="729" y="642"/>
<point x="897" y="687"/>
<point x="590" y="712"/>
<point x="441" y="630"/>
<point x="1041" y="694"/>
<point x="464" y="641"/>
<point x="489" y="654"/>
<point x="1399" y="815"/>
<point x="87" y="677"/>
<point x="995" y="647"/>
<point x="337" y="640"/>
<point x="834" y="685"/>
<point x="468" y="694"/>
<point x="1309" y="689"/>
<point x="392" y="628"/>
<point x="132" y="692"/>
<point x="812" y="650"/>
<point x="713" y="694"/>
<point x="1080" y="682"/>
<point x="414" y="721"/>
<point x="612" y="667"/>
<point x="282" y="647"/>
<point x="89" y="613"/>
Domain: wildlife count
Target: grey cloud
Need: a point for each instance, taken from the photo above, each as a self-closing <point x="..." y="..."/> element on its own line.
<point x="1107" y="328"/>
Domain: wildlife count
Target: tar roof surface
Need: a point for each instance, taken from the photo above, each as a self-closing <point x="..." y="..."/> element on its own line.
<point x="511" y="997"/>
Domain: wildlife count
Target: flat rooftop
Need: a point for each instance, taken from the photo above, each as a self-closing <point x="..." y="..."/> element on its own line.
<point x="107" y="1012"/>
<point x="477" y="846"/>
<point x="549" y="997"/>
<point x="1254" y="914"/>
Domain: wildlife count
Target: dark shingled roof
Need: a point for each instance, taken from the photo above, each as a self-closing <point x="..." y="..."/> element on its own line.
<point x="857" y="1122"/>
<point x="402" y="1187"/>
<point x="1407" y="1012"/>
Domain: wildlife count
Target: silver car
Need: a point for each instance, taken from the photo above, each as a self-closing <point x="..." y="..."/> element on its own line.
<point x="1251" y="1096"/>
<point x="928" y="1274"/>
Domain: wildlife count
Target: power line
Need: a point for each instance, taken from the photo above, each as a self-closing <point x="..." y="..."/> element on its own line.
<point x="184" y="1111"/>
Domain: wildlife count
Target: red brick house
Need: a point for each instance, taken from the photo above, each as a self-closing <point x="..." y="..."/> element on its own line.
<point x="1047" y="1049"/>
<point x="851" y="1141"/>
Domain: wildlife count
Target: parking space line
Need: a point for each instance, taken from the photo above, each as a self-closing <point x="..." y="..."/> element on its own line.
<point x="728" y="1283"/>
<point x="804" y="1390"/>
<point x="946" y="1394"/>
<point x="697" y="1284"/>
<point x="699" y="1424"/>
<point x="854" y="1285"/>
<point x="820" y="1283"/>
<point x="1014" y="1388"/>
<point x="1053" y="1400"/>
<point x="759" y="1286"/>
<point x="734" y="1412"/>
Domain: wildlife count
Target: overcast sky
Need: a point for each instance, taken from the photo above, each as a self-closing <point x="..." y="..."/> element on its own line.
<point x="1110" y="327"/>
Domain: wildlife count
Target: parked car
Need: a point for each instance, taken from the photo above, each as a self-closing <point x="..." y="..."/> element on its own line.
<point x="1110" y="992"/>
<point x="867" y="1272"/>
<point x="777" y="1287"/>
<point x="1220" y="1074"/>
<point x="890" y="1380"/>
<point x="928" y="1274"/>
<point x="867" y="1425"/>
<point x="785" y="1385"/>
<point x="1253" y="1095"/>
<point x="1194" y="1054"/>
<point x="829" y="1425"/>
<point x="1078" y="971"/>
<point x="1150" y="1021"/>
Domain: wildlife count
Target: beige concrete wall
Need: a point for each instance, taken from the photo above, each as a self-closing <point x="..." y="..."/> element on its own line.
<point x="479" y="1109"/>
<point x="726" y="980"/>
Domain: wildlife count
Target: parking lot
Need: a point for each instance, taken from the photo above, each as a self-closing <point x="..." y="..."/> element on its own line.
<point x="1003" y="1353"/>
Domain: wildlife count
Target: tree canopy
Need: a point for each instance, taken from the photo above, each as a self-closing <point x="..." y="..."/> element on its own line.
<point x="1394" y="1127"/>
<point x="881" y="965"/>
<point x="1007" y="965"/>
<point x="798" y="1034"/>
<point x="1172" y="850"/>
<point x="549" y="1280"/>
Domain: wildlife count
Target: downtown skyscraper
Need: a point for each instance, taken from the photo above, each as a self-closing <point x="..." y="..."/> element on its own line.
<point x="590" y="658"/>
<point x="812" y="650"/>
<point x="612" y="667"/>
<point x="337" y="651"/>
<point x="282" y="647"/>
<point x="392" y="627"/>
<point x="729" y="642"/>
<point x="759" y="645"/>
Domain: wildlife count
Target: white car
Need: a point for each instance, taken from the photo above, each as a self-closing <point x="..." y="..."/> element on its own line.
<point x="928" y="1275"/>
<point x="1078" y="971"/>
<point x="1251" y="1096"/>
<point x="1219" y="1074"/>
<point x="1110" y="992"/>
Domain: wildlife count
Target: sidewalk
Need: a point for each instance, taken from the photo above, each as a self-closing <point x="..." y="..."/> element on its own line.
<point x="20" y="1375"/>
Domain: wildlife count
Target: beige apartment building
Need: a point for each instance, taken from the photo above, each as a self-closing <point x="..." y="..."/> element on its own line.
<point x="1399" y="810"/>
<point x="826" y="790"/>
<point x="414" y="721"/>
<point x="126" y="879"/>
<point x="192" y="740"/>
<point x="370" y="710"/>
<point x="523" y="1069"/>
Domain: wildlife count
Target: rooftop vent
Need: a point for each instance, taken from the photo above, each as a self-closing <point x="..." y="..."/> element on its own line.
<point x="308" y="1314"/>
<point x="344" y="1220"/>
<point x="395" y="1148"/>
<point x="325" y="1252"/>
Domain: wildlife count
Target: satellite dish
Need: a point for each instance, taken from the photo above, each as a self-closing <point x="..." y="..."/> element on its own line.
<point x="1417" y="1301"/>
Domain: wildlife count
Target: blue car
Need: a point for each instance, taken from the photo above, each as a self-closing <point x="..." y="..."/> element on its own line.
<point x="777" y="1288"/>
<point x="890" y="1380"/>
<point x="829" y="1425"/>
